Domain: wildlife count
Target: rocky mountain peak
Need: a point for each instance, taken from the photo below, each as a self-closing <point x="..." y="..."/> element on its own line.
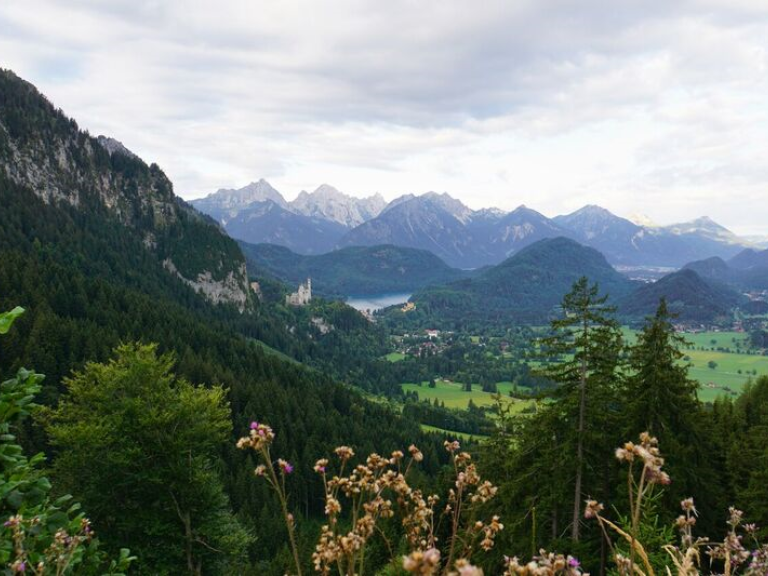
<point x="114" y="146"/>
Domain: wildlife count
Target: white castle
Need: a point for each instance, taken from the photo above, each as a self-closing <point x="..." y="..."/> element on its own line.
<point x="302" y="296"/>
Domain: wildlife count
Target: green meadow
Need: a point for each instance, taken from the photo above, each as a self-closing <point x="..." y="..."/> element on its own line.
<point x="453" y="395"/>
<point x="451" y="434"/>
<point x="395" y="357"/>
<point x="732" y="370"/>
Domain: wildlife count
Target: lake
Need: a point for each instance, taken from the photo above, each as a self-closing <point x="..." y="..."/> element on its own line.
<point x="377" y="301"/>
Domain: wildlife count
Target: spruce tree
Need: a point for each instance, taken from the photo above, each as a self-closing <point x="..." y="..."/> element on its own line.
<point x="588" y="341"/>
<point x="662" y="399"/>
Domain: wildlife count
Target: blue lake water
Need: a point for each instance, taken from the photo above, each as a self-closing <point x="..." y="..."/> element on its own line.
<point x="377" y="301"/>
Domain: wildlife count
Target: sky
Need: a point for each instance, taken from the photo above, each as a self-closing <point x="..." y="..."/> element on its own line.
<point x="654" y="107"/>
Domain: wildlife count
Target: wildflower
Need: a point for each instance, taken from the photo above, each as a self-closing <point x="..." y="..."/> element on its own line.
<point x="285" y="466"/>
<point x="452" y="446"/>
<point x="332" y="507"/>
<point x="321" y="466"/>
<point x="593" y="509"/>
<point x="464" y="568"/>
<point x="344" y="453"/>
<point x="422" y="563"/>
<point x="687" y="505"/>
<point x="734" y="516"/>
<point x="415" y="453"/>
<point x="260" y="470"/>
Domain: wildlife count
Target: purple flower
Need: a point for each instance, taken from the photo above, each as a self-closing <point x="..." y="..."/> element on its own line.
<point x="573" y="563"/>
<point x="21" y="567"/>
<point x="288" y="467"/>
<point x="254" y="425"/>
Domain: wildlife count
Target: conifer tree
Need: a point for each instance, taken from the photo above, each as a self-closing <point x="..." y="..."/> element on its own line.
<point x="588" y="341"/>
<point x="661" y="397"/>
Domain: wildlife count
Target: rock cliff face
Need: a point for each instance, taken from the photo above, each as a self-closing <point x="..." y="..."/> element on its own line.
<point x="44" y="151"/>
<point x="226" y="291"/>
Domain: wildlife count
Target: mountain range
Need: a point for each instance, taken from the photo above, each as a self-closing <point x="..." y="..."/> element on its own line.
<point x="326" y="219"/>
<point x="313" y="223"/>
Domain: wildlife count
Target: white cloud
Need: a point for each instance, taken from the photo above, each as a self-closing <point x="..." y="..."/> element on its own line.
<point x="653" y="106"/>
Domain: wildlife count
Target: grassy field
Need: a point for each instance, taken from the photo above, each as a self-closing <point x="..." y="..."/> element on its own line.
<point x="714" y="382"/>
<point x="451" y="434"/>
<point x="726" y="373"/>
<point x="395" y="356"/>
<point x="718" y="340"/>
<point x="453" y="395"/>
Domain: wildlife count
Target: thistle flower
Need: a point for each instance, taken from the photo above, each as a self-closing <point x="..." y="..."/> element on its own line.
<point x="452" y="446"/>
<point x="593" y="509"/>
<point x="344" y="453"/>
<point x="422" y="563"/>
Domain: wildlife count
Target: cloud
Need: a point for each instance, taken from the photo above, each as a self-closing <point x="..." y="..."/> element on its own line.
<point x="652" y="106"/>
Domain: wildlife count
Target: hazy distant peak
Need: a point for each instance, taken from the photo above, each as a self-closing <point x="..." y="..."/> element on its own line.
<point x="524" y="210"/>
<point x="329" y="203"/>
<point x="450" y="204"/>
<point x="593" y="209"/>
<point x="642" y="220"/>
<point x="328" y="191"/>
<point x="235" y="198"/>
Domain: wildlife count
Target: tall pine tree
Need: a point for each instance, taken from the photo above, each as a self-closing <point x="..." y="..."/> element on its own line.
<point x="588" y="341"/>
<point x="662" y="399"/>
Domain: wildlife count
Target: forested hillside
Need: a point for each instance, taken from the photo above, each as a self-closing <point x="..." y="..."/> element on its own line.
<point x="524" y="288"/>
<point x="355" y="270"/>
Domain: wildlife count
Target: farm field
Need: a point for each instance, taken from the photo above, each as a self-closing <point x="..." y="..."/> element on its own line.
<point x="726" y="373"/>
<point x="717" y="339"/>
<point x="725" y="377"/>
<point x="453" y="395"/>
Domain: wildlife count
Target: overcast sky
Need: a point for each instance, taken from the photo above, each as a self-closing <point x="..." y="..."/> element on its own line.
<point x="649" y="106"/>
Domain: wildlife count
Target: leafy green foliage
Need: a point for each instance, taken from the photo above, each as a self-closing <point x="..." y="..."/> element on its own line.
<point x="39" y="531"/>
<point x="137" y="444"/>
